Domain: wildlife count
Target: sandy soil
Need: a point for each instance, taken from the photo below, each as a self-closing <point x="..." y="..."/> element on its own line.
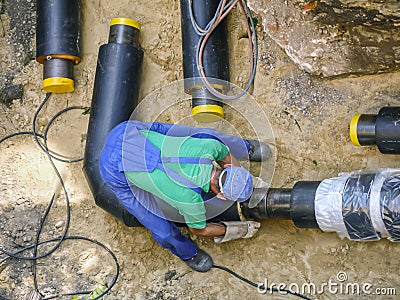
<point x="309" y="118"/>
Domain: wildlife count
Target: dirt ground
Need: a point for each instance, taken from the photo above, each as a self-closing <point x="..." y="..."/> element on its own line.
<point x="309" y="118"/>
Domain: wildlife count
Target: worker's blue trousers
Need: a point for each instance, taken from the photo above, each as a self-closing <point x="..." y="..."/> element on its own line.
<point x="165" y="232"/>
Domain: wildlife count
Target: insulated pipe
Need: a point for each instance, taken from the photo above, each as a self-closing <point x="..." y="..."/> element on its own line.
<point x="359" y="206"/>
<point x="57" y="43"/>
<point x="115" y="96"/>
<point x="205" y="107"/>
<point x="382" y="130"/>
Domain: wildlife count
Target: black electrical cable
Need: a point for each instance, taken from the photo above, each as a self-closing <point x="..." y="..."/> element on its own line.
<point x="18" y="133"/>
<point x="44" y="147"/>
<point x="72" y="160"/>
<point x="260" y="286"/>
<point x="64" y="236"/>
<point x="76" y="238"/>
<point x="71" y="237"/>
<point x="36" y="137"/>
<point x="38" y="232"/>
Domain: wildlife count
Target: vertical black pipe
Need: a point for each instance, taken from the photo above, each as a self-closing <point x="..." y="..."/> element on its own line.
<point x="115" y="96"/>
<point x="205" y="108"/>
<point x="57" y="42"/>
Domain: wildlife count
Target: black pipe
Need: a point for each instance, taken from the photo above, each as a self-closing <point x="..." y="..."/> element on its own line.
<point x="302" y="207"/>
<point x="115" y="96"/>
<point x="366" y="130"/>
<point x="361" y="206"/>
<point x="270" y="204"/>
<point x="295" y="204"/>
<point x="205" y="108"/>
<point x="57" y="42"/>
<point x="382" y="130"/>
<point x="259" y="211"/>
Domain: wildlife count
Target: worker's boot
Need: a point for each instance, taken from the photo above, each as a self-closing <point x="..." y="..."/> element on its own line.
<point x="258" y="151"/>
<point x="201" y="262"/>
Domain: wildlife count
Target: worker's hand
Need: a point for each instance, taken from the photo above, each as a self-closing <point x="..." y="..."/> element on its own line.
<point x="252" y="228"/>
<point x="237" y="229"/>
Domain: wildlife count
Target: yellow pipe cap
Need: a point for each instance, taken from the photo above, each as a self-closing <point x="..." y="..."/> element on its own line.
<point x="208" y="113"/>
<point x="126" y="21"/>
<point x="58" y="85"/>
<point x="353" y="130"/>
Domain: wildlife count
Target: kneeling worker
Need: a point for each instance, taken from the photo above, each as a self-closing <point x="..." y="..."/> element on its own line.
<point x="150" y="166"/>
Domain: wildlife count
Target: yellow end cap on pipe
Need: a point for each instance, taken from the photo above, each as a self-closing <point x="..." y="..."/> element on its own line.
<point x="126" y="21"/>
<point x="353" y="130"/>
<point x="58" y="85"/>
<point x="208" y="113"/>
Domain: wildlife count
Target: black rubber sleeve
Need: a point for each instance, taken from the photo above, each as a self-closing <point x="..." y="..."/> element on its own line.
<point x="302" y="204"/>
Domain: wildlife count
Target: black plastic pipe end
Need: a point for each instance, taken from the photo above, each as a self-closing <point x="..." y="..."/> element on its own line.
<point x="267" y="203"/>
<point x="295" y="204"/>
<point x="302" y="204"/>
<point x="382" y="130"/>
<point x="215" y="59"/>
<point x="205" y="107"/>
